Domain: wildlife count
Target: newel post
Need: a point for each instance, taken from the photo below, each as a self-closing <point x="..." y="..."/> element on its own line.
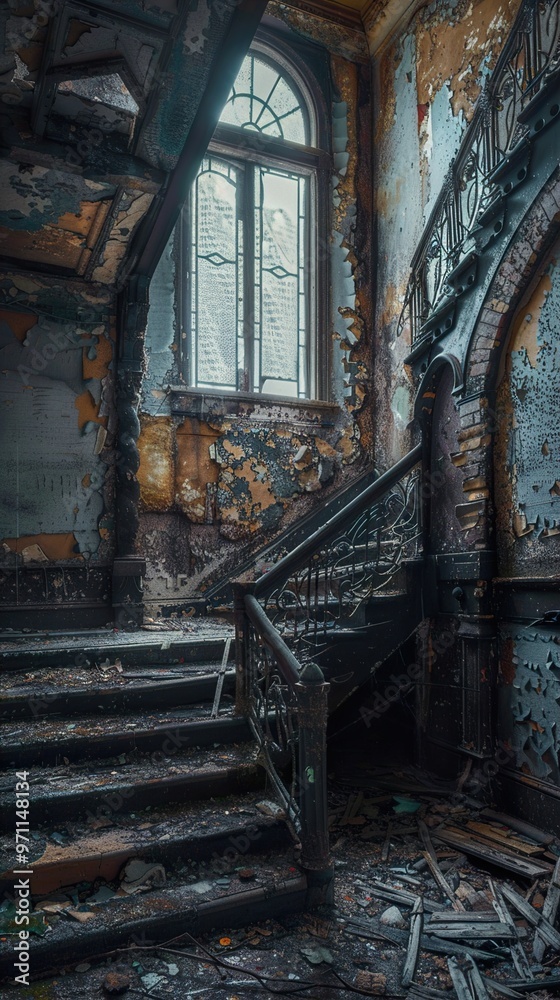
<point x="312" y="712"/>
<point x="242" y="650"/>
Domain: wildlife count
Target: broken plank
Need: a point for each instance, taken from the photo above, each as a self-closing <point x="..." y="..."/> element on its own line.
<point x="459" y="982"/>
<point x="353" y="806"/>
<point x="518" y="955"/>
<point x="549" y="911"/>
<point x="514" y="843"/>
<point x="480" y="916"/>
<point x="418" y="992"/>
<point x="491" y="931"/>
<point x="520" y="826"/>
<point x="432" y="862"/>
<point x="403" y="896"/>
<point x="501" y="988"/>
<point x="535" y="985"/>
<point x="413" y="947"/>
<point x="500" y="858"/>
<point x="475" y="980"/>
<point x="546" y="930"/>
<point x="369" y="929"/>
<point x="387" y="843"/>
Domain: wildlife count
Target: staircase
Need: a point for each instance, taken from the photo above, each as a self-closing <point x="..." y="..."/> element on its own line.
<point x="132" y="760"/>
<point x="147" y="763"/>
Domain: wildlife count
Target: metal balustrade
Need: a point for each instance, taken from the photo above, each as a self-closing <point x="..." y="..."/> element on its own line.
<point x="320" y="586"/>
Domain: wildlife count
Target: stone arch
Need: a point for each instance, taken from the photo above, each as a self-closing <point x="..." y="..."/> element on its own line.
<point x="533" y="239"/>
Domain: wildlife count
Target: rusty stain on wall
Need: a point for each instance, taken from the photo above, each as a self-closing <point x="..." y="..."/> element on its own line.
<point x="44" y="548"/>
<point x="346" y="41"/>
<point x="55" y="402"/>
<point x="460" y="49"/>
<point x="197" y="472"/>
<point x="156" y="472"/>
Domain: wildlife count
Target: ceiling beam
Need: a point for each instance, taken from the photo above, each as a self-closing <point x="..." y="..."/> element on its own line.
<point x="158" y="225"/>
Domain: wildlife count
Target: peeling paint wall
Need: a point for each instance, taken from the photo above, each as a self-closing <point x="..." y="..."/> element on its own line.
<point x="528" y="445"/>
<point x="529" y="701"/>
<point x="427" y="80"/>
<point x="527" y="494"/>
<point x="227" y="474"/>
<point x="57" y="422"/>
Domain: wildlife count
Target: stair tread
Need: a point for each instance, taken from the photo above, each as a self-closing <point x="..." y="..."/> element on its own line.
<point x="48" y="681"/>
<point x="195" y="631"/>
<point x="148" y="833"/>
<point x="108" y="773"/>
<point x="49" y="731"/>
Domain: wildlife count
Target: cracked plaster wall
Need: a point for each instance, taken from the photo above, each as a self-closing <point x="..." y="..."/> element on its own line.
<point x="56" y="423"/>
<point x="427" y="80"/>
<point x="225" y="476"/>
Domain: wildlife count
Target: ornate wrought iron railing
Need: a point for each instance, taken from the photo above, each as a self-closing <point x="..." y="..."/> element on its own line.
<point x="492" y="161"/>
<point x="282" y="618"/>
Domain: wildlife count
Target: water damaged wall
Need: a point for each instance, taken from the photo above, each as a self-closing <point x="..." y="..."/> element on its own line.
<point x="56" y="490"/>
<point x="96" y="106"/>
<point x="222" y="475"/>
<point x="427" y="80"/>
<point x="527" y="477"/>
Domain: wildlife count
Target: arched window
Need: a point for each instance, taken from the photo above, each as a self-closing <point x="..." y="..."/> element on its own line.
<point x="251" y="286"/>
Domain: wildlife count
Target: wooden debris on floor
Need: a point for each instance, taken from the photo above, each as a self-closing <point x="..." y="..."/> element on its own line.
<point x="549" y="912"/>
<point x="494" y="938"/>
<point x="413" y="948"/>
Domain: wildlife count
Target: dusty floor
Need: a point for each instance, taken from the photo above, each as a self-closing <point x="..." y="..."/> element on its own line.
<point x="377" y="833"/>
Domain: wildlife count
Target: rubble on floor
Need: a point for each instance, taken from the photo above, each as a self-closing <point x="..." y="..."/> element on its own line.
<point x="437" y="895"/>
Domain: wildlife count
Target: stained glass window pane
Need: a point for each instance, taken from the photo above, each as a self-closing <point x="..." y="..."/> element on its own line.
<point x="216" y="276"/>
<point x="279" y="273"/>
<point x="261" y="100"/>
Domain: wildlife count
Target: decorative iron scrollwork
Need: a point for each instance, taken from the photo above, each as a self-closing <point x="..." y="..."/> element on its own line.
<point x="360" y="560"/>
<point x="492" y="160"/>
<point x="323" y="583"/>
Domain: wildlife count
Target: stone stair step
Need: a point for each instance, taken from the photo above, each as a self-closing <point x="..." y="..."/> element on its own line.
<point x="224" y="830"/>
<point x="102" y="788"/>
<point x="49" y="741"/>
<point x="71" y="691"/>
<point x="23" y="652"/>
<point x="195" y="906"/>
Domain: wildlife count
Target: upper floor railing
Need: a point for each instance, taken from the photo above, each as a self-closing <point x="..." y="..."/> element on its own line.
<point x="493" y="159"/>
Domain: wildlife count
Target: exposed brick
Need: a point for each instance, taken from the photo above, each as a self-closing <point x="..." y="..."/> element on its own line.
<point x="477" y="430"/>
<point x="470" y="405"/>
<point x="488" y="342"/>
<point x="491" y="319"/>
<point x="480" y="356"/>
<point x="478" y="369"/>
<point x="469" y="419"/>
<point x="550" y="205"/>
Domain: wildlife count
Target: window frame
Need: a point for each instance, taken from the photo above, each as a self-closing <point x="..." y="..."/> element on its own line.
<point x="242" y="147"/>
